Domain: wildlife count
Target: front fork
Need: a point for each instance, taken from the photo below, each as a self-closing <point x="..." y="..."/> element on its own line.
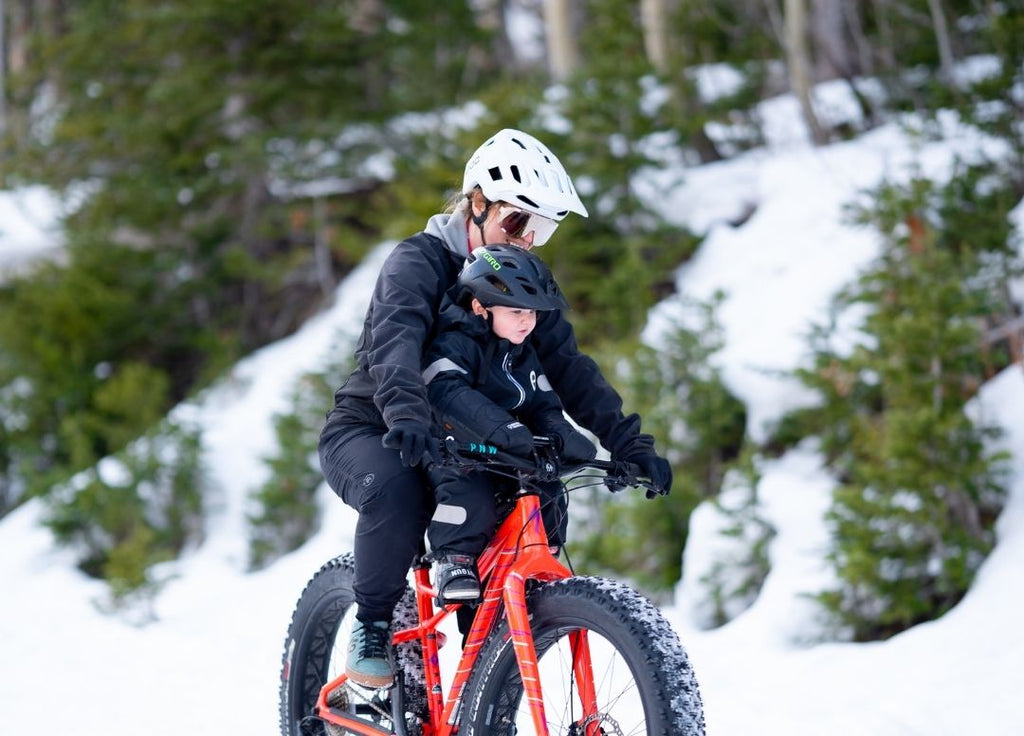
<point x="529" y="671"/>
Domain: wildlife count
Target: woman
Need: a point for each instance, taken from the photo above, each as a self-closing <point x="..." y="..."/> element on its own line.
<point x="377" y="441"/>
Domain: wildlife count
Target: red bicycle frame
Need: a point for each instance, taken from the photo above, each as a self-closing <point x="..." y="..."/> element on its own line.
<point x="517" y="553"/>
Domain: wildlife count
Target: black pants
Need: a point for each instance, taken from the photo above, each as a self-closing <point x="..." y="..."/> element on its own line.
<point x="470" y="506"/>
<point x="394" y="505"/>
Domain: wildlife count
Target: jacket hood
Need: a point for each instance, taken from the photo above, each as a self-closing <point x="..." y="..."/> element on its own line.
<point x="451" y="230"/>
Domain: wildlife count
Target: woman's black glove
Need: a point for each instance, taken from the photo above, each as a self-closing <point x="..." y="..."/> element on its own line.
<point x="514" y="438"/>
<point x="413" y="441"/>
<point x="573" y="446"/>
<point x="653" y="467"/>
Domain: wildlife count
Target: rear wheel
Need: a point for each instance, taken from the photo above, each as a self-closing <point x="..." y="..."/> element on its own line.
<point x="315" y="651"/>
<point x="642" y="676"/>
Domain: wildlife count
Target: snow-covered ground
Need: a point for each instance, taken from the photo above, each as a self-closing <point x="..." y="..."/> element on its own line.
<point x="209" y="662"/>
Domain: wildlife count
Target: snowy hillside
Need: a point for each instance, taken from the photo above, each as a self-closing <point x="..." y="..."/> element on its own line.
<point x="208" y="664"/>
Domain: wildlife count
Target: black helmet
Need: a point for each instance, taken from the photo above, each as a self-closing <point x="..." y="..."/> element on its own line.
<point x="508" y="276"/>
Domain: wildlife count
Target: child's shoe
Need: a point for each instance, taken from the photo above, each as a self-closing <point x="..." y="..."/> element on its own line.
<point x="456" y="579"/>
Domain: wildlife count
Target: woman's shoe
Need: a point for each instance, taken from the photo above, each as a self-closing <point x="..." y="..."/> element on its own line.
<point x="368" y="663"/>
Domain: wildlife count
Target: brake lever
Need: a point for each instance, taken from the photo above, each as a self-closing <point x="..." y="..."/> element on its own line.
<point x="452" y="457"/>
<point x="650" y="489"/>
<point x="626" y="475"/>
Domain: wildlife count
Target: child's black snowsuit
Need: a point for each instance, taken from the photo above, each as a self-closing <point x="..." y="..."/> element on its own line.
<point x="485" y="389"/>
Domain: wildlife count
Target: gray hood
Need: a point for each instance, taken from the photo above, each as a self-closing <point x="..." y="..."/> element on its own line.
<point x="451" y="229"/>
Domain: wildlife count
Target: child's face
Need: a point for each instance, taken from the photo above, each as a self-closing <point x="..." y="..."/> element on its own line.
<point x="513" y="324"/>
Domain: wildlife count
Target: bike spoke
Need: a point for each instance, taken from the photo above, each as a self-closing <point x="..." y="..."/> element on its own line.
<point x="619" y="707"/>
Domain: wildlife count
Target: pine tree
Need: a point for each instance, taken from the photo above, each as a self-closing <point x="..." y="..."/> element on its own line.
<point x="734" y="579"/>
<point x="183" y="132"/>
<point x="613" y="266"/>
<point x="698" y="425"/>
<point x="139" y="507"/>
<point x="286" y="512"/>
<point x="913" y="517"/>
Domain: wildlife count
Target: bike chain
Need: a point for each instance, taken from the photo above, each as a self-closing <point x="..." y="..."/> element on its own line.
<point x="344" y="696"/>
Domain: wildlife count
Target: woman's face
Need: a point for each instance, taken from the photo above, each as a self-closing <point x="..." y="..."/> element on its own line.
<point x="511" y="323"/>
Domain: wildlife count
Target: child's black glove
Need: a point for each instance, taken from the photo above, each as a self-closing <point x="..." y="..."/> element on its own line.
<point x="574" y="447"/>
<point x="514" y="438"/>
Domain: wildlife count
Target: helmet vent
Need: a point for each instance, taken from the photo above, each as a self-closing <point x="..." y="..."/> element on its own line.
<point x="528" y="201"/>
<point x="498" y="284"/>
<point x="495" y="173"/>
<point x="515" y="173"/>
<point x="519" y="143"/>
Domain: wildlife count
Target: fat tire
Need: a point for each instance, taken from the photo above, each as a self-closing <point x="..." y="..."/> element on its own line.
<point x="641" y="636"/>
<point x="310" y="643"/>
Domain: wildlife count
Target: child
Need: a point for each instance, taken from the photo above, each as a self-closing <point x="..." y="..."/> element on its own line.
<point x="485" y="383"/>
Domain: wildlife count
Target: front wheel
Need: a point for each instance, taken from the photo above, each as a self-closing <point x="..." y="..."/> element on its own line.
<point x="642" y="676"/>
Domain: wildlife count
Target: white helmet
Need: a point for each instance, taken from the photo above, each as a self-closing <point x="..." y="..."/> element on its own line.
<point x="515" y="167"/>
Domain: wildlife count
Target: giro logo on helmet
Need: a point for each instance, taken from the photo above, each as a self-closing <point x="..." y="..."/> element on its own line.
<point x="492" y="260"/>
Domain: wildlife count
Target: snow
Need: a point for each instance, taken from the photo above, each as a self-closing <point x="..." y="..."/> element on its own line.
<point x="205" y="659"/>
<point x="27" y="227"/>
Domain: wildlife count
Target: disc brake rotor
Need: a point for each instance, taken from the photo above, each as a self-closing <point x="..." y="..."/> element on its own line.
<point x="608" y="726"/>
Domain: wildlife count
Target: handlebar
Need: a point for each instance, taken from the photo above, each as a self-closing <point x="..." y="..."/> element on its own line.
<point x="544" y="464"/>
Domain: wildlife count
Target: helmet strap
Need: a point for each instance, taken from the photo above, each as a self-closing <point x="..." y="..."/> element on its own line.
<point x="480" y="219"/>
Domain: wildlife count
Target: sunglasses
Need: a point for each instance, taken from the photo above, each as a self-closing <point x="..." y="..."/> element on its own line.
<point x="516" y="223"/>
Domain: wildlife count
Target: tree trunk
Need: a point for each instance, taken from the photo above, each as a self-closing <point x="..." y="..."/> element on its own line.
<point x="321" y="248"/>
<point x="865" y="64"/>
<point x="3" y="90"/>
<point x="942" y="39"/>
<point x="490" y="15"/>
<point x="50" y="18"/>
<point x="887" y="48"/>
<point x="798" y="64"/>
<point x="20" y="22"/>
<point x="563" y="55"/>
<point x="654" y="21"/>
<point x="685" y="103"/>
<point x="18" y="32"/>
<point x="832" y="57"/>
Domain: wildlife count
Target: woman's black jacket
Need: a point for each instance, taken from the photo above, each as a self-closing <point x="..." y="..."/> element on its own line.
<point x="402" y="321"/>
